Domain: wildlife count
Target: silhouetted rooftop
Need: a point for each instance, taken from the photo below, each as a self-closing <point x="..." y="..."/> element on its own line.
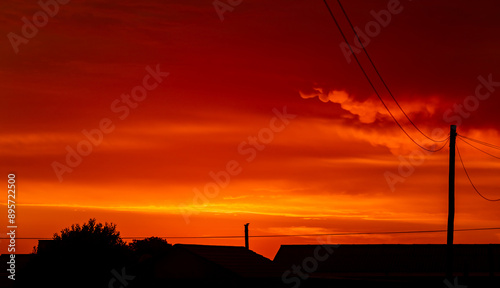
<point x="239" y="260"/>
<point x="395" y="259"/>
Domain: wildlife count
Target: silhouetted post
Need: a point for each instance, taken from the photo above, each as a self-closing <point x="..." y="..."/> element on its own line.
<point x="246" y="235"/>
<point x="451" y="205"/>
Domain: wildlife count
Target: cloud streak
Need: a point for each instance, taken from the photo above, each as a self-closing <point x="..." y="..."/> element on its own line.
<point x="368" y="111"/>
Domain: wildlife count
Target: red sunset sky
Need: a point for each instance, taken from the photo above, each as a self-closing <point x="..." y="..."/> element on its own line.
<point x="321" y="170"/>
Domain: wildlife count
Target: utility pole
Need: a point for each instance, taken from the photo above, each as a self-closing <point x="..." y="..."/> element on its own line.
<point x="246" y="235"/>
<point x="451" y="205"/>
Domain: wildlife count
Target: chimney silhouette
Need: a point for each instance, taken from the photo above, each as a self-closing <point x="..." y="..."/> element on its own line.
<point x="246" y="235"/>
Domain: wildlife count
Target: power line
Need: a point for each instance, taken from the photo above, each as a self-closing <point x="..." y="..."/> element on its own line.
<point x="289" y="235"/>
<point x="480" y="149"/>
<point x="444" y="145"/>
<point x="380" y="76"/>
<point x="460" y="156"/>
<point x="481" y="142"/>
<point x="369" y="81"/>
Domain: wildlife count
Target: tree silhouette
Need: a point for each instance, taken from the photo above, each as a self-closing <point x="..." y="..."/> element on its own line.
<point x="80" y="256"/>
<point x="148" y="251"/>
<point x="150" y="246"/>
<point x="91" y="235"/>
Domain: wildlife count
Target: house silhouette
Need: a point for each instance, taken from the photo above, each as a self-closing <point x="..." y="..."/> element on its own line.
<point x="219" y="266"/>
<point x="392" y="265"/>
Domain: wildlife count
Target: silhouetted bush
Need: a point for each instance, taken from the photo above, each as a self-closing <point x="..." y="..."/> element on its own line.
<point x="80" y="256"/>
